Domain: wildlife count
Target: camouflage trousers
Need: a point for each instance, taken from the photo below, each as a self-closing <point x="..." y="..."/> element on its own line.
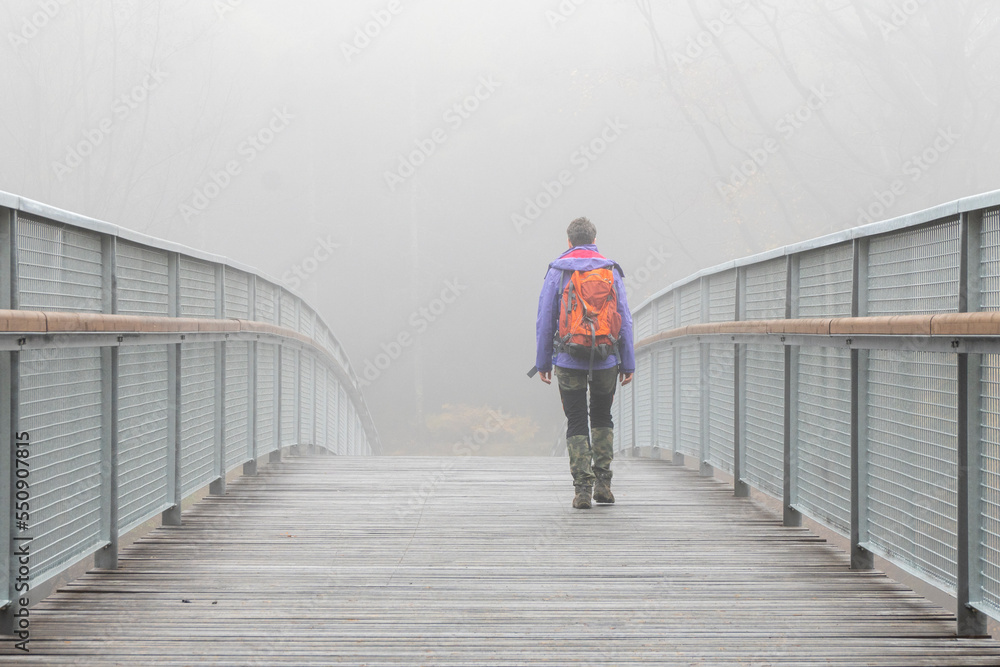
<point x="589" y="430"/>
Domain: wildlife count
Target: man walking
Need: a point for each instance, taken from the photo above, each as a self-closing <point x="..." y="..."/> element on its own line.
<point x="585" y="328"/>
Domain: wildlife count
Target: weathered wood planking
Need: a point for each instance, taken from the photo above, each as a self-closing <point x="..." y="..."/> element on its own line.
<point x="472" y="561"/>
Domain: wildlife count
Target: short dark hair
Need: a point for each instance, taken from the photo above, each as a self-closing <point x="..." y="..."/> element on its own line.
<point x="581" y="232"/>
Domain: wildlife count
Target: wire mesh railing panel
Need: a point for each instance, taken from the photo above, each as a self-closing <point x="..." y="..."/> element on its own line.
<point x="765" y="418"/>
<point x="322" y="414"/>
<point x="824" y="436"/>
<point x="197" y="288"/>
<point x="826" y="278"/>
<point x="989" y="471"/>
<point x="143" y="448"/>
<point x="722" y="296"/>
<point x="664" y="408"/>
<point x="322" y="336"/>
<point x="197" y="432"/>
<point x="237" y="293"/>
<point x="342" y="417"/>
<point x="691" y="303"/>
<point x="624" y="429"/>
<point x="690" y="400"/>
<point x="265" y="295"/>
<point x="912" y="458"/>
<point x="766" y="286"/>
<point x="915" y="271"/>
<point x="666" y="313"/>
<point x="306" y="395"/>
<point x="644" y="400"/>
<point x="237" y="403"/>
<point x="143" y="280"/>
<point x="305" y="325"/>
<point x="721" y="395"/>
<point x="644" y="324"/>
<point x="351" y="424"/>
<point x="58" y="268"/>
<point x="989" y="261"/>
<point x="333" y="415"/>
<point x="289" y="361"/>
<point x="264" y="410"/>
<point x="60" y="408"/>
<point x="288" y="311"/>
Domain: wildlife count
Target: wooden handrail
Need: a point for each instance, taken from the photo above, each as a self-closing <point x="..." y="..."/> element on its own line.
<point x="942" y="324"/>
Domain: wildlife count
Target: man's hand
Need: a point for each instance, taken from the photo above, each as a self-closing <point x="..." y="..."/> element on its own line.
<point x="546" y="376"/>
<point x="625" y="378"/>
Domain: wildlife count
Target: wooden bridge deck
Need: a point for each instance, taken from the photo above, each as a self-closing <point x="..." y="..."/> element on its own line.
<point x="470" y="561"/>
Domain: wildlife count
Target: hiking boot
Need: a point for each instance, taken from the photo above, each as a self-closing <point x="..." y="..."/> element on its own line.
<point x="602" y="491"/>
<point x="581" y="501"/>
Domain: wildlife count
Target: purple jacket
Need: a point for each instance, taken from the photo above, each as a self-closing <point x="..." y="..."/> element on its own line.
<point x="580" y="258"/>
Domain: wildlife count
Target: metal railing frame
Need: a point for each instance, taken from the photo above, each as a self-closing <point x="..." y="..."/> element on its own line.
<point x="109" y="341"/>
<point x="971" y="612"/>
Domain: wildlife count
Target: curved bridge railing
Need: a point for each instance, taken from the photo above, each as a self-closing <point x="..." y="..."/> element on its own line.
<point x="136" y="372"/>
<point x="856" y="378"/>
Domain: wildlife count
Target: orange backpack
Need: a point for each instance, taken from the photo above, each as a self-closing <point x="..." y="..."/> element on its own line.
<point x="589" y="321"/>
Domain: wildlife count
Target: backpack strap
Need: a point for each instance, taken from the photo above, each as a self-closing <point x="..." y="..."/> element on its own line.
<point x="593" y="351"/>
<point x="558" y="343"/>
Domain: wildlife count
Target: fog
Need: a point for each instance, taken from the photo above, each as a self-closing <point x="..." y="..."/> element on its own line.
<point x="411" y="167"/>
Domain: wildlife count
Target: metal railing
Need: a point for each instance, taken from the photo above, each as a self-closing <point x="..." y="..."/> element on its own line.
<point x="828" y="375"/>
<point x="136" y="372"/>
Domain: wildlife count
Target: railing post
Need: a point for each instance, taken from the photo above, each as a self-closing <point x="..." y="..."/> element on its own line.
<point x="654" y="406"/>
<point x="634" y="451"/>
<point x="279" y="354"/>
<point x="296" y="362"/>
<point x="297" y="383"/>
<point x="172" y="515"/>
<point x="250" y="466"/>
<point x="792" y="517"/>
<point x="705" y="468"/>
<point x="8" y="423"/>
<point x="314" y="440"/>
<point x="654" y="427"/>
<point x="10" y="535"/>
<point x="971" y="622"/>
<point x="107" y="557"/>
<point x="861" y="558"/>
<point x="279" y="360"/>
<point x="740" y="488"/>
<point x="218" y="486"/>
<point x="678" y="456"/>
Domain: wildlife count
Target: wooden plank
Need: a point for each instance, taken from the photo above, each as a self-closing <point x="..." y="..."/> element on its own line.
<point x="476" y="561"/>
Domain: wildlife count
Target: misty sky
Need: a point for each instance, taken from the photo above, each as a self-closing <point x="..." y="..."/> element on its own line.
<point x="413" y="181"/>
